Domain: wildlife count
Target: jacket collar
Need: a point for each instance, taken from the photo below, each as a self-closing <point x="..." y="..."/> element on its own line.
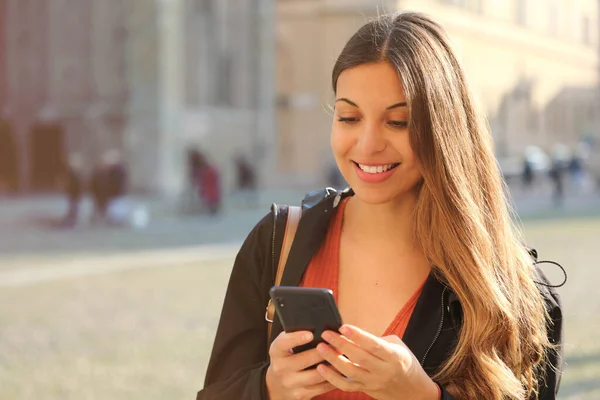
<point x="317" y="208"/>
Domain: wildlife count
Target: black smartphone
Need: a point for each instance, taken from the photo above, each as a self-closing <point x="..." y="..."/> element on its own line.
<point x="306" y="309"/>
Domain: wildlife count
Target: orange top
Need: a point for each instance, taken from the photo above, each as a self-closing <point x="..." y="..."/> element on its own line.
<point x="322" y="272"/>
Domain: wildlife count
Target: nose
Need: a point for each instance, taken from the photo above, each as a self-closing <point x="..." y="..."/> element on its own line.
<point x="371" y="140"/>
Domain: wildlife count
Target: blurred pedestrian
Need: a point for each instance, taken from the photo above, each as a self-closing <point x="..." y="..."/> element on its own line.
<point x="576" y="171"/>
<point x="108" y="183"/>
<point x="527" y="173"/>
<point x="208" y="184"/>
<point x="557" y="177"/>
<point x="73" y="184"/>
<point x="245" y="180"/>
<point x="194" y="159"/>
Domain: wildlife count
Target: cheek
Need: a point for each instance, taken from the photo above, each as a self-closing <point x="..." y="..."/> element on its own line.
<point x="409" y="157"/>
<point x="415" y="167"/>
<point x="340" y="143"/>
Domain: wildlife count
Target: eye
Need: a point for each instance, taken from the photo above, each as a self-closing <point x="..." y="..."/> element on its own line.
<point x="348" y="120"/>
<point x="398" y="124"/>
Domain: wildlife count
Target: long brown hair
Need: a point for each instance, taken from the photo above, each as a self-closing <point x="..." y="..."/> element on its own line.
<point x="462" y="220"/>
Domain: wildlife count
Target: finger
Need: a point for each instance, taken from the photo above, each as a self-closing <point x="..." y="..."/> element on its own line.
<point x="371" y="343"/>
<point x="352" y="351"/>
<point x="285" y="342"/>
<point x="392" y="339"/>
<point x="302" y="379"/>
<point x="318" y="389"/>
<point x="304" y="360"/>
<point x="342" y="364"/>
<point x="339" y="381"/>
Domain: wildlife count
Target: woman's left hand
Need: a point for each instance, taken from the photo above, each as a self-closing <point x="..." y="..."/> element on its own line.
<point x="382" y="368"/>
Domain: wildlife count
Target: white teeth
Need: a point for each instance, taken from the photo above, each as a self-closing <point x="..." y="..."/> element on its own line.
<point x="375" y="169"/>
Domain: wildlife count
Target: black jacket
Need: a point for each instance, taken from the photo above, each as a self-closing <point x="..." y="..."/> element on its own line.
<point x="239" y="359"/>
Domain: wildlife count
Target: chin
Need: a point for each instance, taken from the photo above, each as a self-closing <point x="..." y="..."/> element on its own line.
<point x="379" y="196"/>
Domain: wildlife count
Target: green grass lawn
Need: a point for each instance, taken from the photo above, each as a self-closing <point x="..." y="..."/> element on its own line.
<point x="146" y="334"/>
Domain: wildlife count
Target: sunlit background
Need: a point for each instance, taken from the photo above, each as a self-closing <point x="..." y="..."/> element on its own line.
<point x="140" y="141"/>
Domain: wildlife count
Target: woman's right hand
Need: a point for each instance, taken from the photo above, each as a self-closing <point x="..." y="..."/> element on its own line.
<point x="287" y="377"/>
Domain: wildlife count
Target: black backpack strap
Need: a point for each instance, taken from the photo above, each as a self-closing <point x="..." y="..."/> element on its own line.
<point x="280" y="213"/>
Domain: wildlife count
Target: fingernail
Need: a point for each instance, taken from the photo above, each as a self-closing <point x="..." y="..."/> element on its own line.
<point x="321" y="348"/>
<point x="327" y="336"/>
<point x="344" y="330"/>
<point x="307" y="336"/>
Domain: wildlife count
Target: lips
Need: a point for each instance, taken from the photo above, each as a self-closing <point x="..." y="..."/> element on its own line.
<point x="376" y="168"/>
<point x="374" y="174"/>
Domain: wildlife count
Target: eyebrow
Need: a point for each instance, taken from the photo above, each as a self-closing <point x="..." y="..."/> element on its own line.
<point x="401" y="104"/>
<point x="345" y="100"/>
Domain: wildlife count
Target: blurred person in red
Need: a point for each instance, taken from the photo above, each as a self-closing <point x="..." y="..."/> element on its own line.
<point x="208" y="183"/>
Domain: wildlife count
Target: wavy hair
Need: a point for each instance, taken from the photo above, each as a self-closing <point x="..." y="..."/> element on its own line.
<point x="462" y="218"/>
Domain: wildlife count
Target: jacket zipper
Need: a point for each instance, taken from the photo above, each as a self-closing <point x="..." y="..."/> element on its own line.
<point x="439" y="331"/>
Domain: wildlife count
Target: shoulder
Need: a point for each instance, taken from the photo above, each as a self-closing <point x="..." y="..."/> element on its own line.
<point x="326" y="196"/>
<point x="547" y="289"/>
<point x="317" y="208"/>
<point x="272" y="225"/>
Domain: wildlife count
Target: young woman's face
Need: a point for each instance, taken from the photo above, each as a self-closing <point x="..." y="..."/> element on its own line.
<point x="369" y="136"/>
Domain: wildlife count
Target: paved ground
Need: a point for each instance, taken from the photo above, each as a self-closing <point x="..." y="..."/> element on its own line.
<point x="27" y="226"/>
<point x="139" y="331"/>
<point x="118" y="314"/>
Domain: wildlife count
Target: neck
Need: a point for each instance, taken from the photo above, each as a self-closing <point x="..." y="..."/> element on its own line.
<point x="382" y="222"/>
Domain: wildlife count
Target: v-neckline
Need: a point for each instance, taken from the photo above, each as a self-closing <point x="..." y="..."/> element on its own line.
<point x="337" y="228"/>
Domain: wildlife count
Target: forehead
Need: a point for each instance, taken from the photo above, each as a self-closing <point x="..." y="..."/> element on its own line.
<point x="377" y="84"/>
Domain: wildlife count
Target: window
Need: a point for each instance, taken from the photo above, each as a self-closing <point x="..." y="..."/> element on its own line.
<point x="460" y="3"/>
<point x="553" y="18"/>
<point x="203" y="6"/>
<point x="585" y="30"/>
<point x="472" y="5"/>
<point x="477" y="6"/>
<point x="522" y="12"/>
<point x="224" y="80"/>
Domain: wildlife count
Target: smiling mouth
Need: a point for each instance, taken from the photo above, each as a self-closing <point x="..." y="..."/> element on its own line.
<point x="376" y="169"/>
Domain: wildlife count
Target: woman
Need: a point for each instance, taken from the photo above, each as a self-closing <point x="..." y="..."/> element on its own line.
<point x="424" y="240"/>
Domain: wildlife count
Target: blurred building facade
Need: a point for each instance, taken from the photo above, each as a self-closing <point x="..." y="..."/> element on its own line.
<point x="65" y="85"/>
<point x="150" y="78"/>
<point x="154" y="78"/>
<point x="532" y="63"/>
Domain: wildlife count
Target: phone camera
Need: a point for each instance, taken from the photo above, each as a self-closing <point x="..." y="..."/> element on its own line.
<point x="280" y="302"/>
